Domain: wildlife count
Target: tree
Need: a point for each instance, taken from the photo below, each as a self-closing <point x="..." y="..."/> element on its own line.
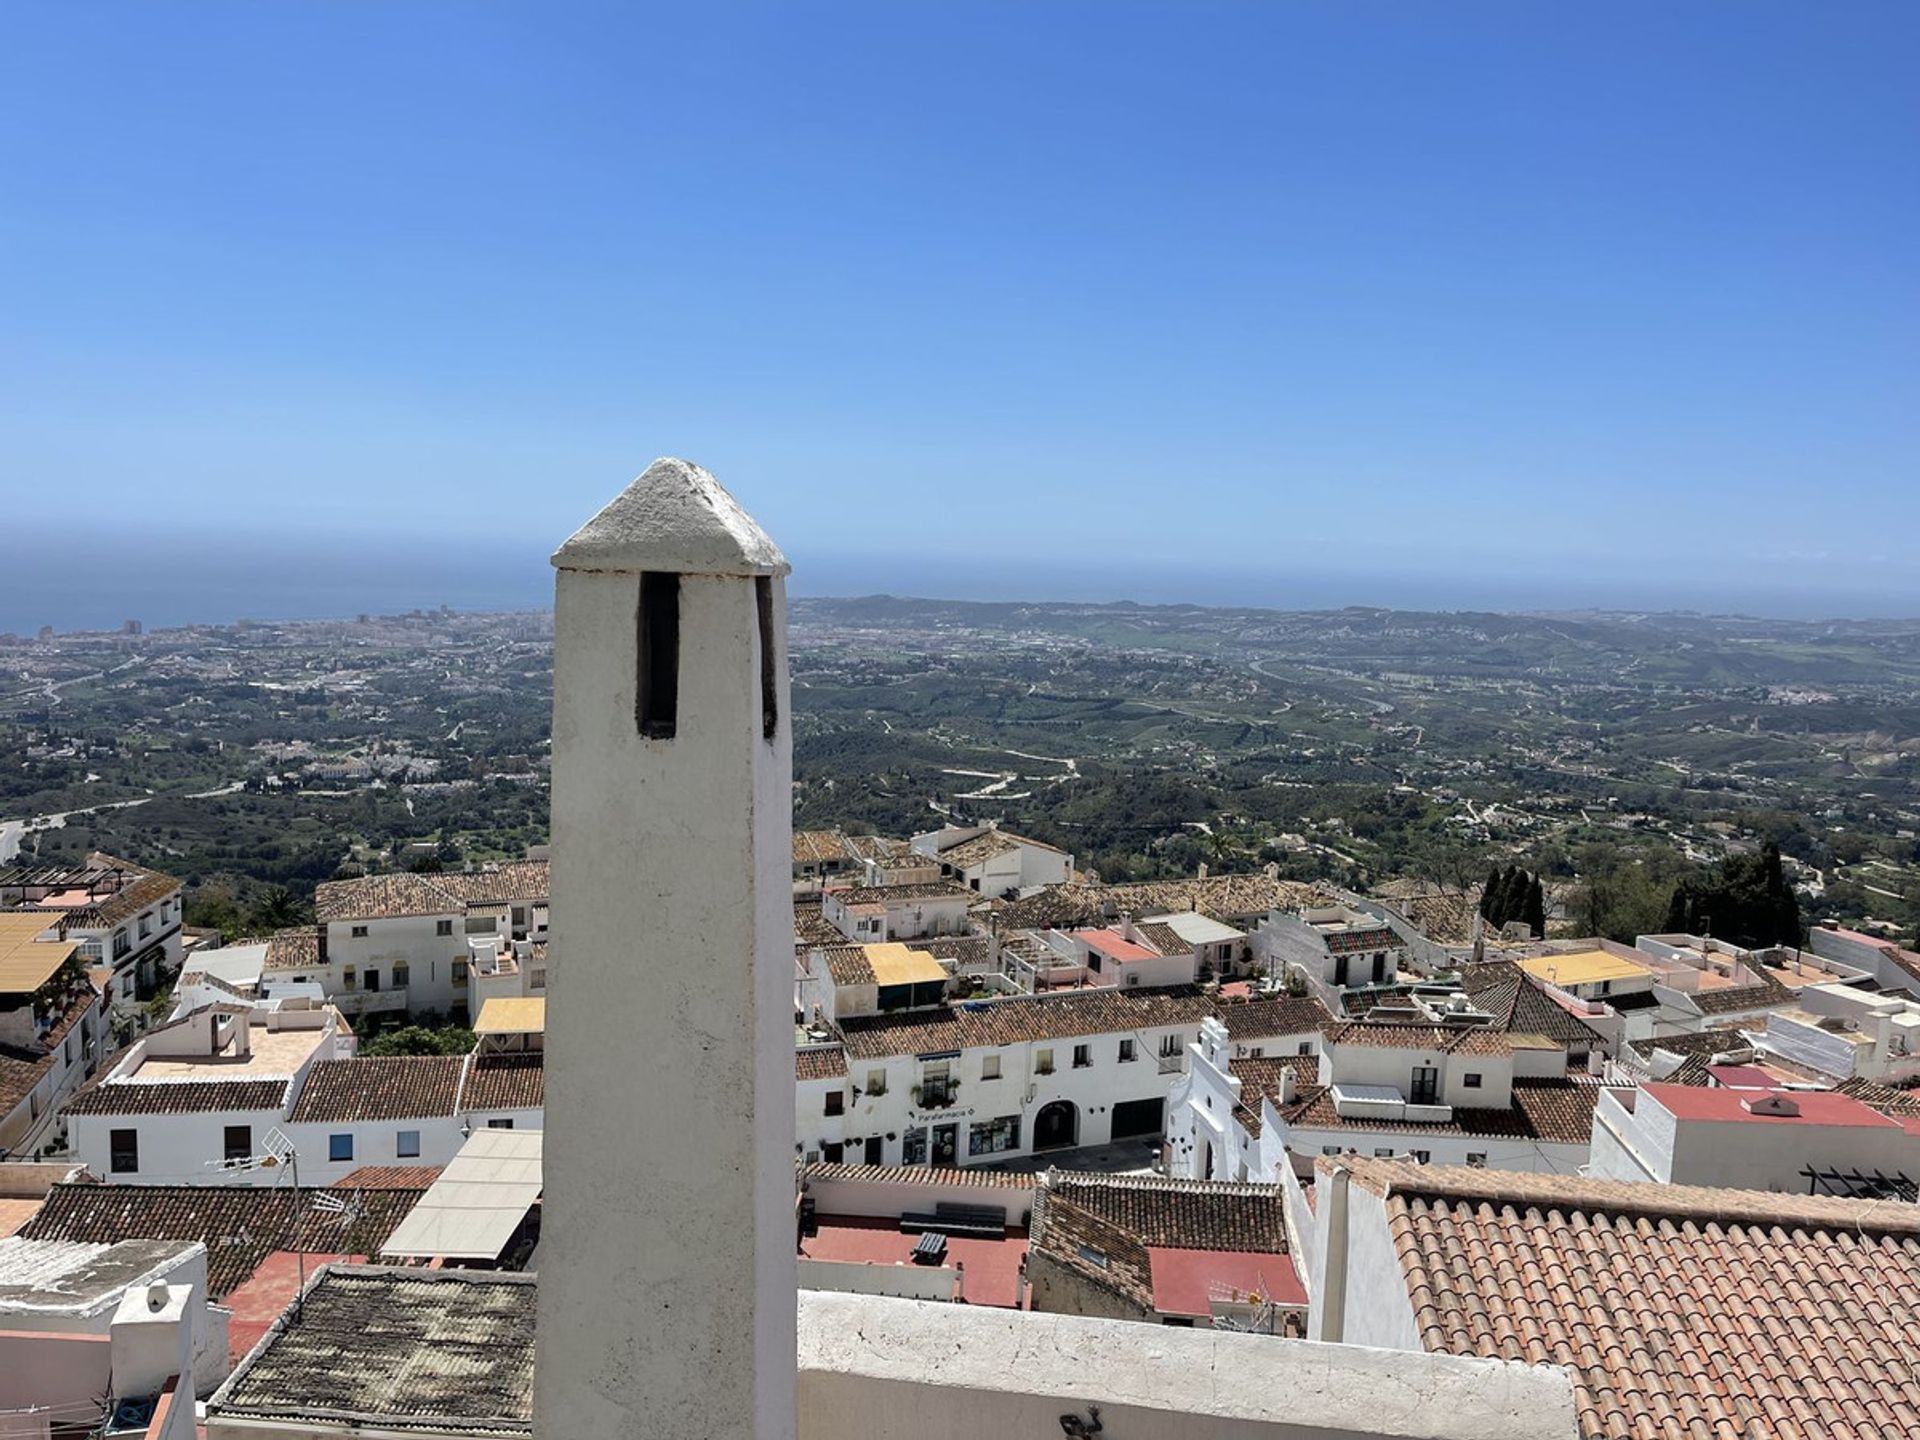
<point x="1536" y="908"/>
<point x="277" y="909"/>
<point x="420" y="1040"/>
<point x="1745" y="899"/>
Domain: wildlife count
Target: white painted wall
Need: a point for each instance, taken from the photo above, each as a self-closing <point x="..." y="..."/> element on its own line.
<point x="873" y="1369"/>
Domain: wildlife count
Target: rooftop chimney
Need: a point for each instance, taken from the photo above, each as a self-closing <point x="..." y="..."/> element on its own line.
<point x="667" y="1272"/>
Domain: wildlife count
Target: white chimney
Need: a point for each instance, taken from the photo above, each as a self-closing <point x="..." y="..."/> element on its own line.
<point x="667" y="1290"/>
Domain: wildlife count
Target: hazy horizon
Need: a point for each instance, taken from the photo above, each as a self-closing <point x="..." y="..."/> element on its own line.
<point x="203" y="582"/>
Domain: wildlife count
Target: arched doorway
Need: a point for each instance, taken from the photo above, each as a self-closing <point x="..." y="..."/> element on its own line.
<point x="1057" y="1125"/>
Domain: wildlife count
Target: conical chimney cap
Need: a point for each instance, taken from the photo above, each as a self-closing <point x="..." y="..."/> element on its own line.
<point x="676" y="517"/>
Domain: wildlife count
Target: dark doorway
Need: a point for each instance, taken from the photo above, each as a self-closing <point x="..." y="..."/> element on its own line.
<point x="1426" y="1085"/>
<point x="1138" y="1117"/>
<point x="874" y="1152"/>
<point x="1057" y="1125"/>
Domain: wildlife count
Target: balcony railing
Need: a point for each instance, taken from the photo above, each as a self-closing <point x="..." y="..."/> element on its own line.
<point x="937" y="1094"/>
<point x="1172" y="1064"/>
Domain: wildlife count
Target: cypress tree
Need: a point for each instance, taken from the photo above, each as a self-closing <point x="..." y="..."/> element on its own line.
<point x="1536" y="916"/>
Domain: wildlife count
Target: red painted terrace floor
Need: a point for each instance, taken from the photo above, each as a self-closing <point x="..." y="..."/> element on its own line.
<point x="992" y="1266"/>
<point x="265" y="1295"/>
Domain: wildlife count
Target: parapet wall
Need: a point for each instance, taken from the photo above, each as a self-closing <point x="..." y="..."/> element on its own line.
<point x="961" y="1372"/>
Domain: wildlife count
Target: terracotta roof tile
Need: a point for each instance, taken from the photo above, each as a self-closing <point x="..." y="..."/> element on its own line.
<point x="1014" y="1021"/>
<point x="381" y="1087"/>
<point x="921" y="1175"/>
<point x="506" y="1082"/>
<point x="239" y="1224"/>
<point x="820" y="1062"/>
<point x="1555" y="1112"/>
<point x="179" y="1097"/>
<point x="388" y="1177"/>
<point x="1463" y="1040"/>
<point x="1282" y="1015"/>
<point x="1681" y="1312"/>
<point x="1119" y="1217"/>
<point x="293" y="950"/>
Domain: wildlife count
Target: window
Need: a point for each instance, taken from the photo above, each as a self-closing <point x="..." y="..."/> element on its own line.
<point x="406" y="1144"/>
<point x="238" y="1143"/>
<point x="1093" y="1256"/>
<point x="506" y="1124"/>
<point x="1082" y="1056"/>
<point x="146" y="926"/>
<point x="1476" y="1158"/>
<point x="1043" y="1063"/>
<point x="400" y="974"/>
<point x="913" y="1148"/>
<point x="769" y="687"/>
<point x="125" y="1148"/>
<point x="1169" y="1046"/>
<point x="370" y="980"/>
<point x="993" y="1137"/>
<point x="1605" y="986"/>
<point x="1127" y="1052"/>
<point x="836" y="1102"/>
<point x="121" y="944"/>
<point x="1306" y="1048"/>
<point x="833" y="1152"/>
<point x="876" y="1082"/>
<point x="443" y="927"/>
<point x="459" y="972"/>
<point x="1258" y="1052"/>
<point x="990" y="1067"/>
<point x="657" y="677"/>
<point x="340" y="1147"/>
<point x="359" y="932"/>
<point x="1383" y="1152"/>
<point x="1422" y="1156"/>
<point x="1471" y="1080"/>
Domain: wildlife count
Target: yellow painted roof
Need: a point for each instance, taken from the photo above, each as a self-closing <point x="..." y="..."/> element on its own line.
<point x="26" y="963"/>
<point x="895" y="964"/>
<point x="1582" y="968"/>
<point x="513" y="1015"/>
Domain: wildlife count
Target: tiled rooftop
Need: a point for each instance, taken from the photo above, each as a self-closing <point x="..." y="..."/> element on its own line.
<point x="1103" y="1227"/>
<point x="1014" y="1021"/>
<point x="922" y="1175"/>
<point x="293" y="950"/>
<point x="388" y="1177"/>
<point x="239" y="1224"/>
<point x="381" y="1087"/>
<point x="820" y="1062"/>
<point x="1683" y="1314"/>
<point x="1274" y="1018"/>
<point x="1555" y="1112"/>
<point x="1461" y="1041"/>
<point x="179" y="1097"/>
<point x="388" y="897"/>
<point x="506" y="1082"/>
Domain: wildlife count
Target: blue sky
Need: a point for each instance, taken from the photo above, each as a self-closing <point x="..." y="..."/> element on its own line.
<point x="1615" y="300"/>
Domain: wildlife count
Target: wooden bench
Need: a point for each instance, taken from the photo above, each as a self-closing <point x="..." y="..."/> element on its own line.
<point x="987" y="1222"/>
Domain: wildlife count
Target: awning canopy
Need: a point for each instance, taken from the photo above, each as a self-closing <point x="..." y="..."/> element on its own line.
<point x="473" y="1209"/>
